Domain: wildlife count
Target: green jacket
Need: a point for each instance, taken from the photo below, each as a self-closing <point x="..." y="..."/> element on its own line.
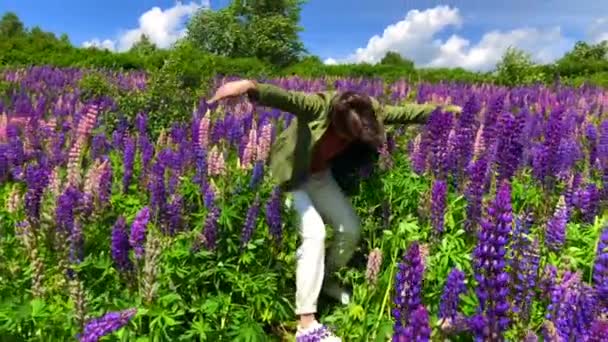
<point x="291" y="152"/>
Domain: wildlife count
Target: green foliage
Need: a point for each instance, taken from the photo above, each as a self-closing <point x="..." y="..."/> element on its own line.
<point x="267" y="30"/>
<point x="517" y="68"/>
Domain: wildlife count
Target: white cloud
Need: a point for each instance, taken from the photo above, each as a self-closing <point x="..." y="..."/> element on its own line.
<point x="330" y="61"/>
<point x="598" y="31"/>
<point x="544" y="45"/>
<point x="415" y="37"/>
<point x="163" y="27"/>
<point x="106" y="44"/>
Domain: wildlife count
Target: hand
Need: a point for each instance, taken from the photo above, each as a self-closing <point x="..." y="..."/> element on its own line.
<point x="232" y="89"/>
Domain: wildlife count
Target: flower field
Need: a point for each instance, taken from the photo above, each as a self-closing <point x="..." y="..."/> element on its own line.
<point x="488" y="225"/>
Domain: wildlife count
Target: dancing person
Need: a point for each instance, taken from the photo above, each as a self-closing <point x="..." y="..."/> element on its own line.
<point x="326" y="124"/>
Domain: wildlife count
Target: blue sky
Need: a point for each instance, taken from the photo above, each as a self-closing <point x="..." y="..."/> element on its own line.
<point x="467" y="33"/>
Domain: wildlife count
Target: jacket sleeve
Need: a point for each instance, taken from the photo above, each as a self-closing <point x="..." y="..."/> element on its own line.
<point x="302" y="105"/>
<point x="411" y="113"/>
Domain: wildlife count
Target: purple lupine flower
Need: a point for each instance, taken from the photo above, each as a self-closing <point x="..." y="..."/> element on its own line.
<point x="105" y="183"/>
<point x="129" y="158"/>
<point x="573" y="307"/>
<point x="600" y="269"/>
<point x="591" y="139"/>
<point x="138" y="232"/>
<point x="602" y="153"/>
<point x="548" y="280"/>
<point x="419" y="328"/>
<point x="568" y="153"/>
<point x="489" y="264"/>
<point x="36" y="178"/>
<point x="408" y="287"/>
<point x="598" y="331"/>
<point x="589" y="198"/>
<point x="209" y="235"/>
<point x="99" y="145"/>
<point x="450" y="299"/>
<point x="509" y="148"/>
<point x="438" y="130"/>
<point x="65" y="209"/>
<point x="490" y="122"/>
<point x="209" y="195"/>
<point x="257" y="175"/>
<point x="465" y="134"/>
<point x="438" y="204"/>
<point x="157" y="187"/>
<point x="108" y="323"/>
<point x="530" y="336"/>
<point x="250" y="221"/>
<point x="147" y="153"/>
<point x="273" y="215"/>
<point x="120" y="245"/>
<point x="76" y="243"/>
<point x="174" y="214"/>
<point x="555" y="233"/>
<point x="418" y="153"/>
<point x="478" y="173"/>
<point x="141" y="123"/>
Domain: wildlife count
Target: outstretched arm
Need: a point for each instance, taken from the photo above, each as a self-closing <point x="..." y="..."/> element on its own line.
<point x="412" y="113"/>
<point x="303" y="105"/>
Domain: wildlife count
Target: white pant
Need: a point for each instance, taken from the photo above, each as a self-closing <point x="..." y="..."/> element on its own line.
<point x="321" y="197"/>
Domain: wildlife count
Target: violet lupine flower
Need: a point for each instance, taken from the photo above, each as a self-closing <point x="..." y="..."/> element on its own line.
<point x="573" y="307"/>
<point x="120" y="246"/>
<point x="530" y="337"/>
<point x="105" y="183"/>
<point x="465" y="134"/>
<point x="408" y="287"/>
<point x="418" y="153"/>
<point x="147" y="153"/>
<point x="209" y="195"/>
<point x="128" y="159"/>
<point x="76" y="243"/>
<point x="598" y="331"/>
<point x="591" y="139"/>
<point x="264" y="142"/>
<point x="138" y="232"/>
<point x="157" y="187"/>
<point x="418" y="329"/>
<point x="490" y="122"/>
<point x="273" y="215"/>
<point x="509" y="148"/>
<point x="108" y="323"/>
<point x="438" y="130"/>
<point x="555" y="233"/>
<point x="477" y="174"/>
<point x="600" y="269"/>
<point x="174" y="214"/>
<point x="438" y="204"/>
<point x="36" y="178"/>
<point x="450" y="299"/>
<point x="210" y="230"/>
<point x="250" y="221"/>
<point x="589" y="198"/>
<point x="141" y="123"/>
<point x="489" y="264"/>
<point x="99" y="145"/>
<point x="257" y="174"/>
<point x="65" y="209"/>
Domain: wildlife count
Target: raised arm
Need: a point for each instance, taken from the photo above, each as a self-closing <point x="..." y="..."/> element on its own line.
<point x="304" y="106"/>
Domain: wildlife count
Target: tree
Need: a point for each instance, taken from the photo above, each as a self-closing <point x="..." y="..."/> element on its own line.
<point x="266" y="29"/>
<point x="517" y="67"/>
<point x="144" y="46"/>
<point x="10" y="25"/>
<point x="394" y="58"/>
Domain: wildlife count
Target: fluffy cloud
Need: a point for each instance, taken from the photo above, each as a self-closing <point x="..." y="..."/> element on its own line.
<point x="599" y="30"/>
<point x="415" y="37"/>
<point x="163" y="27"/>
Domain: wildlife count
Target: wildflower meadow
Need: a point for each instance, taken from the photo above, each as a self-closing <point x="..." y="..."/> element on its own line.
<point x="487" y="225"/>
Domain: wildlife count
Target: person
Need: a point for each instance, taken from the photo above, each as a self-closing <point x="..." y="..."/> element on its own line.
<point x="326" y="124"/>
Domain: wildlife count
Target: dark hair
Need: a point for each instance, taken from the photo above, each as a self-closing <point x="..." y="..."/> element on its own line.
<point x="353" y="113"/>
